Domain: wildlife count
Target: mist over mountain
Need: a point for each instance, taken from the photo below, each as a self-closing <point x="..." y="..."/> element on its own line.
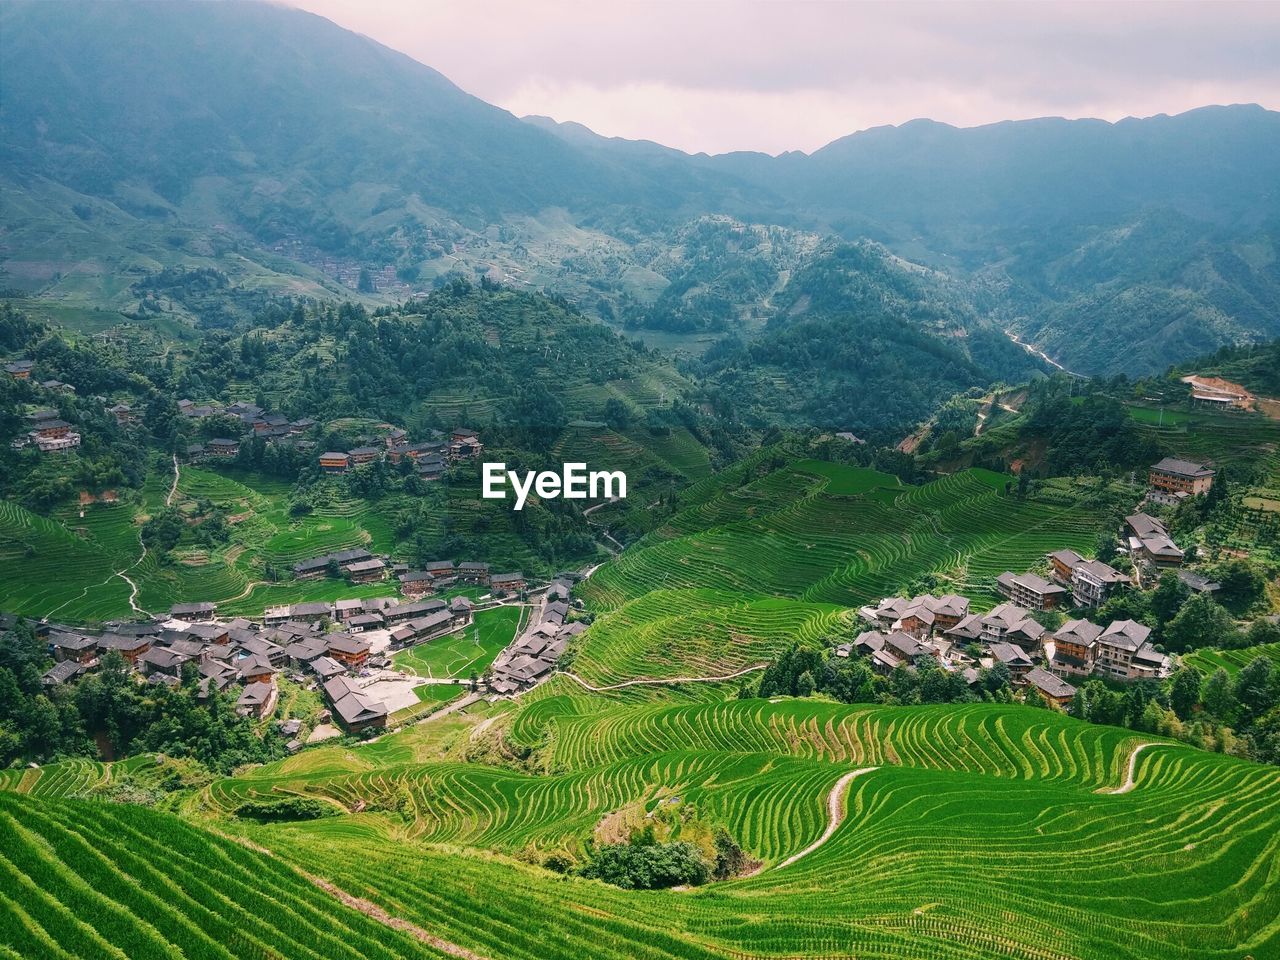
<point x="291" y="155"/>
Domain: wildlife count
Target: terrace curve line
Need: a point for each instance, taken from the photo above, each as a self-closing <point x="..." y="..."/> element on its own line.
<point x="835" y="814"/>
<point x="661" y="680"/>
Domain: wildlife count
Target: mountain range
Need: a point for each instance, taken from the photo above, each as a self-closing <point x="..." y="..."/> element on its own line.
<point x="296" y="157"/>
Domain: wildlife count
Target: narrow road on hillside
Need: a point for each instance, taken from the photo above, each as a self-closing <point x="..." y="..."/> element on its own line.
<point x="590" y="510"/>
<point x="173" y="490"/>
<point x="1039" y="353"/>
<point x="835" y="815"/>
<point x="660" y="680"/>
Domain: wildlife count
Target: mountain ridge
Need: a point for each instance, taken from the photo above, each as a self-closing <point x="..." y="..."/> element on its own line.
<point x="242" y="137"/>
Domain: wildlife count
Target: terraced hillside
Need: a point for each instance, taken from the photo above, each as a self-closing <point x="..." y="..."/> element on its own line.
<point x="78" y="563"/>
<point x="958" y="833"/>
<point x="1209" y="659"/>
<point x="774" y="553"/>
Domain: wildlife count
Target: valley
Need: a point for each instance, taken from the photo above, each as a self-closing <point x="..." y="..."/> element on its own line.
<point x="931" y="607"/>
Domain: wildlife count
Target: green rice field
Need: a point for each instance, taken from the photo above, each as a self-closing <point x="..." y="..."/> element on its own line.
<point x="468" y="651"/>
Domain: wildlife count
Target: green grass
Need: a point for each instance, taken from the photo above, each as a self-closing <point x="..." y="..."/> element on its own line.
<point x="459" y="654"/>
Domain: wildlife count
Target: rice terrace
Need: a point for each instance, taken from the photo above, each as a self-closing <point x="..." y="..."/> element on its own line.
<point x="812" y="493"/>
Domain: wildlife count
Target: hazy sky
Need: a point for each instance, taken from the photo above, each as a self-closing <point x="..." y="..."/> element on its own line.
<point x="776" y="76"/>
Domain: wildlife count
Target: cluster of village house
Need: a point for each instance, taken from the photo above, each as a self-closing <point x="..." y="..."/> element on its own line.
<point x="943" y="627"/>
<point x="430" y="458"/>
<point x="45" y="429"/>
<point x="360" y="566"/>
<point x="341" y="647"/>
<point x="536" y="651"/>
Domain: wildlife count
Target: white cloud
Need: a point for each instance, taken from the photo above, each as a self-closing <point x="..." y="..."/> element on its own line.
<point x="723" y="75"/>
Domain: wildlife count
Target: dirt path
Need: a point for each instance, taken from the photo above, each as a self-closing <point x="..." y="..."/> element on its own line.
<point x="835" y="815"/>
<point x="375" y="912"/>
<point x="660" y="680"/>
<point x="1133" y="763"/>
<point x="173" y="490"/>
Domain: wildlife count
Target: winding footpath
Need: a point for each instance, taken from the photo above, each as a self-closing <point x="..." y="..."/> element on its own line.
<point x="835" y="814"/>
<point x="173" y="490"/>
<point x="660" y="680"/>
<point x="1133" y="763"/>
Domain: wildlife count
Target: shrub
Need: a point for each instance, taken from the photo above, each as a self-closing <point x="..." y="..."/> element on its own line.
<point x="643" y="865"/>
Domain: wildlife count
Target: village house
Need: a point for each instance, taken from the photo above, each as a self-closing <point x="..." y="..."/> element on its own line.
<point x="123" y="413"/>
<point x="309" y="569"/>
<point x="1054" y="689"/>
<point x="302" y="652"/>
<point x="1149" y="541"/>
<point x="440" y="569"/>
<point x="462" y="610"/>
<point x="416" y="583"/>
<point x="131" y="648"/>
<point x="258" y="700"/>
<point x="193" y="611"/>
<point x="1062" y="564"/>
<point x="1030" y="590"/>
<point x="326" y="668"/>
<point x="366" y="571"/>
<point x="163" y="660"/>
<point x="312" y="612"/>
<point x="345" y="610"/>
<point x="1093" y="581"/>
<point x="74" y="647"/>
<point x="1172" y="480"/>
<point x="353" y="709"/>
<point x="1125" y="654"/>
<point x="1198" y="582"/>
<point x="507" y="582"/>
<point x="1012" y="624"/>
<point x="255" y="669"/>
<point x="968" y="630"/>
<point x="362" y="455"/>
<point x="430" y="468"/>
<point x="334" y="462"/>
<point x="20" y="369"/>
<point x="464" y="443"/>
<point x="470" y="571"/>
<point x="365" y="621"/>
<point x="62" y="672"/>
<point x="422" y="628"/>
<point x="408" y="611"/>
<point x="1075" y="647"/>
<point x="222" y="447"/>
<point x="351" y="652"/>
<point x="1014" y="658"/>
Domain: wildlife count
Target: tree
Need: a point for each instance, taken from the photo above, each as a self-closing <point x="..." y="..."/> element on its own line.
<point x="1168" y="597"/>
<point x="1242" y="585"/>
<point x="1256" y="690"/>
<point x="1218" y="698"/>
<point x="1184" y="692"/>
<point x="1200" y="623"/>
<point x="805" y="685"/>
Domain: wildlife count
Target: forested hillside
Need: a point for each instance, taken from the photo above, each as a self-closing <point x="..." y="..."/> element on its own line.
<point x="303" y="159"/>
